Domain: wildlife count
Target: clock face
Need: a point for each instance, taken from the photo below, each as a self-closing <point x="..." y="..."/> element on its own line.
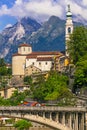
<point x="69" y="30"/>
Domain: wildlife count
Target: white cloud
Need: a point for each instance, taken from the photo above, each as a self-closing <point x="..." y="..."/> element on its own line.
<point x="42" y="9"/>
<point x="3" y="10"/>
<point x="18" y="2"/>
<point x="85" y="2"/>
<point x="34" y="8"/>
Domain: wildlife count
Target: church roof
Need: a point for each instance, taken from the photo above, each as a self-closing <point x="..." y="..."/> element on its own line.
<point x="31" y="56"/>
<point x="17" y="54"/>
<point x="44" y="58"/>
<point x="35" y="54"/>
<point x="44" y="53"/>
<point x="24" y="45"/>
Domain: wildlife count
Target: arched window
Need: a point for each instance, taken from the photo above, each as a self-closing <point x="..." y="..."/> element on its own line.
<point x="69" y="30"/>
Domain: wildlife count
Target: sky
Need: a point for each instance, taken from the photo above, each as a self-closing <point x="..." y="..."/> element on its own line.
<point x="41" y="10"/>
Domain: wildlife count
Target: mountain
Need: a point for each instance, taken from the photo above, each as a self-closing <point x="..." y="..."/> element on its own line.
<point x="81" y="19"/>
<point x="48" y="36"/>
<point x="11" y="37"/>
<point x="20" y="29"/>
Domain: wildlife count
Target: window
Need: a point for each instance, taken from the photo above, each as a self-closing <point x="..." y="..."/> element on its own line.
<point x="33" y="63"/>
<point x="40" y="64"/>
<point x="24" y="48"/>
<point x="69" y="30"/>
<point x="46" y="63"/>
<point x="28" y="48"/>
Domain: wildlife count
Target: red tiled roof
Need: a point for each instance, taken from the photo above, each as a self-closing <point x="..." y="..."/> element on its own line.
<point x="35" y="54"/>
<point x="46" y="53"/>
<point x="44" y="58"/>
<point x="31" y="56"/>
<point x="17" y="54"/>
<point x="25" y="45"/>
<point x="43" y="53"/>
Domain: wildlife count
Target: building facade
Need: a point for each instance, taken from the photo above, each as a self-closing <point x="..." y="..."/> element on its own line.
<point x="25" y="62"/>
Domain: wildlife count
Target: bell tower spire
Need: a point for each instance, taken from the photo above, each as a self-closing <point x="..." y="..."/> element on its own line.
<point x="68" y="28"/>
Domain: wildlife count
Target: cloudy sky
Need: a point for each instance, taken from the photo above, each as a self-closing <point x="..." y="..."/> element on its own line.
<point x="41" y="10"/>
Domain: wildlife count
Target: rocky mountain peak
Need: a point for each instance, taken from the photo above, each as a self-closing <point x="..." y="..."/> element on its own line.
<point x="20" y="29"/>
<point x="49" y="36"/>
<point x="18" y="33"/>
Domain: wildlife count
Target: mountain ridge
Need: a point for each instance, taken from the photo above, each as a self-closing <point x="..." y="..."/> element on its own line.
<point x="49" y="36"/>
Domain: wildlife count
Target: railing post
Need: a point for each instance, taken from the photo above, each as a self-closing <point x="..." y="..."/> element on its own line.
<point x="37" y="114"/>
<point x="4" y="121"/>
<point x="43" y="115"/>
<point x="50" y="116"/>
<point x="76" y="121"/>
<point x="63" y="118"/>
<point x="70" y="120"/>
<point x="82" y="122"/>
<point x="57" y="117"/>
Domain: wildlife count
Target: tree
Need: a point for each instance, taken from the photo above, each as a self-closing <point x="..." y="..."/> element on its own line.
<point x="77" y="46"/>
<point x="54" y="88"/>
<point x="22" y="125"/>
<point x="2" y="62"/>
<point x="17" y="97"/>
<point x="81" y="73"/>
<point x="9" y="71"/>
<point x="4" y="102"/>
<point x="3" y="71"/>
<point x="28" y="80"/>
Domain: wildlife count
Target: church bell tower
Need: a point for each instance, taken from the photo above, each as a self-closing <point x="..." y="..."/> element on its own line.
<point x="68" y="29"/>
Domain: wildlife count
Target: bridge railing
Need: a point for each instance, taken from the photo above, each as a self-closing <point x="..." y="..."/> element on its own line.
<point x="45" y="108"/>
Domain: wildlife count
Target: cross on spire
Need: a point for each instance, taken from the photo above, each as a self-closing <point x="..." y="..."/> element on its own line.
<point x="68" y="8"/>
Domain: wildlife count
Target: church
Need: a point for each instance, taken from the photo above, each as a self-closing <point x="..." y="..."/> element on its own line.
<point x="26" y="62"/>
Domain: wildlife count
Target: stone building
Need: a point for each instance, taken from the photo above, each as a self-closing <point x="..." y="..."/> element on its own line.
<point x="26" y="62"/>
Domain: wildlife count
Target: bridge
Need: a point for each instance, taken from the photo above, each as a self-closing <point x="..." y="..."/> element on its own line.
<point x="60" y="118"/>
